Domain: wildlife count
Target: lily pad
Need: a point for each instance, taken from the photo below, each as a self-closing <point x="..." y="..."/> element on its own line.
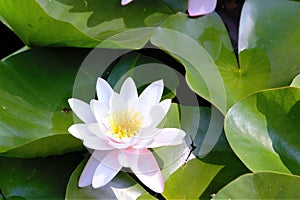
<point x="262" y="185"/>
<point x="34" y="27"/>
<point x="269" y="28"/>
<point x="190" y="180"/>
<point x="101" y="22"/>
<point x="35" y="115"/>
<point x="212" y="70"/>
<point x="263" y="130"/>
<point x="206" y="139"/>
<point x="38" y="178"/>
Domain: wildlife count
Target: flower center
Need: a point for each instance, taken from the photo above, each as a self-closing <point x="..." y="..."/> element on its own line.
<point x="125" y="124"/>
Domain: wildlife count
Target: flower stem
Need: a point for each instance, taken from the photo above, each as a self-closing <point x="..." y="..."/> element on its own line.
<point x="2" y="195"/>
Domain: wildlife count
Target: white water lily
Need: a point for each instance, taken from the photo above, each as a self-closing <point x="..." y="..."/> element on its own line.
<point x="120" y="127"/>
<point x="195" y="7"/>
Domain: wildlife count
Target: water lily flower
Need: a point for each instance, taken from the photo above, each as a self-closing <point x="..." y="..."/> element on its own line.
<point x="201" y="7"/>
<point x="120" y="128"/>
<point x="195" y="7"/>
<point x="125" y="2"/>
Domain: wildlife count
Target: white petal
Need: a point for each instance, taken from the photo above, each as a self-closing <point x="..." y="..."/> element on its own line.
<point x="86" y="176"/>
<point x="120" y="145"/>
<point x="146" y="133"/>
<point x="128" y="157"/>
<point x="82" y="110"/>
<point x="106" y="170"/>
<point x="165" y="105"/>
<point x="98" y="130"/>
<point x="149" y="97"/>
<point x="100" y="110"/>
<point x="117" y="104"/>
<point x="128" y="90"/>
<point x="80" y="131"/>
<point x="147" y="170"/>
<point x="124" y="2"/>
<point x="143" y="143"/>
<point x="104" y="91"/>
<point x="168" y="137"/>
<point x="201" y="7"/>
<point x="157" y="113"/>
<point x="97" y="143"/>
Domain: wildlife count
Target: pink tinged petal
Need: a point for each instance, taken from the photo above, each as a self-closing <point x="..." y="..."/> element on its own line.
<point x="143" y="143"/>
<point x="128" y="90"/>
<point x="125" y="2"/>
<point x="147" y="170"/>
<point x="80" y="131"/>
<point x="149" y="97"/>
<point x="128" y="157"/>
<point x="86" y="176"/>
<point x="97" y="143"/>
<point x="106" y="170"/>
<point x="98" y="130"/>
<point x="104" y="91"/>
<point x="82" y="110"/>
<point x="201" y="7"/>
<point x="168" y="137"/>
<point x="100" y="110"/>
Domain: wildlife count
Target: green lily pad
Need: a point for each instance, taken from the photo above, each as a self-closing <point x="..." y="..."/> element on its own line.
<point x="101" y="22"/>
<point x="202" y="74"/>
<point x="223" y="155"/>
<point x="263" y="130"/>
<point x="38" y="178"/>
<point x="35" y="86"/>
<point x="204" y="126"/>
<point x="269" y="28"/>
<point x="190" y="180"/>
<point x="34" y="27"/>
<point x="212" y="71"/>
<point x="262" y="185"/>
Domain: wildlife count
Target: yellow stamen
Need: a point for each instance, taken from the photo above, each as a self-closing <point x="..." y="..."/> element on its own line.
<point x="125" y="124"/>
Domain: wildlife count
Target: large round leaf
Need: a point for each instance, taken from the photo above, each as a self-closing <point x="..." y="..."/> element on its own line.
<point x="35" y="86"/>
<point x="207" y="141"/>
<point x="263" y="185"/>
<point x="100" y="22"/>
<point x="192" y="36"/>
<point x="272" y="29"/>
<point x="34" y="27"/>
<point x="191" y="180"/>
<point x="38" y="178"/>
<point x="263" y="130"/>
<point x="212" y="70"/>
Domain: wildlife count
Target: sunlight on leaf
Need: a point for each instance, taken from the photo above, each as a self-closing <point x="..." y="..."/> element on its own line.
<point x="263" y="130"/>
